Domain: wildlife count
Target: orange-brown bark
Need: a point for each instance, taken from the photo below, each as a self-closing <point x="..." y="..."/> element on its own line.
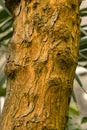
<point x="41" y="63"/>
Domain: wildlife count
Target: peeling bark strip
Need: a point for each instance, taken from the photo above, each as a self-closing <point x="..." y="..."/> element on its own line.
<point x="42" y="58"/>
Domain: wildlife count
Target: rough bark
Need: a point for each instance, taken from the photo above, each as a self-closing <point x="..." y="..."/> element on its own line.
<point x="41" y="62"/>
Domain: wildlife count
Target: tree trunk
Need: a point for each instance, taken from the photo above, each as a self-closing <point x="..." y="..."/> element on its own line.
<point x="41" y="62"/>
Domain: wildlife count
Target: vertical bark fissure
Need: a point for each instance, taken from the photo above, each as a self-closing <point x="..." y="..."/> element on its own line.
<point x="43" y="55"/>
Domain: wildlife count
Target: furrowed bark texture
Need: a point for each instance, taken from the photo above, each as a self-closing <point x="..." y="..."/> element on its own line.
<point x="42" y="58"/>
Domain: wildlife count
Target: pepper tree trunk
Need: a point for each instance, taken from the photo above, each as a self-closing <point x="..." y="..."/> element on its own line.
<point x="41" y="62"/>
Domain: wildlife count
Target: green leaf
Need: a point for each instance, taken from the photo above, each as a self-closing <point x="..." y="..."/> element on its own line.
<point x="2" y="91"/>
<point x="84" y="120"/>
<point x="83" y="56"/>
<point x="73" y="110"/>
<point x="83" y="40"/>
<point x="78" y="80"/>
<point x="80" y="83"/>
<point x="74" y="97"/>
<point x="83" y="50"/>
<point x="83" y="9"/>
<point x="83" y="13"/>
<point x="7" y="36"/>
<point x="2" y="80"/>
<point x="83" y="31"/>
<point x="2" y="3"/>
<point x="6" y="26"/>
